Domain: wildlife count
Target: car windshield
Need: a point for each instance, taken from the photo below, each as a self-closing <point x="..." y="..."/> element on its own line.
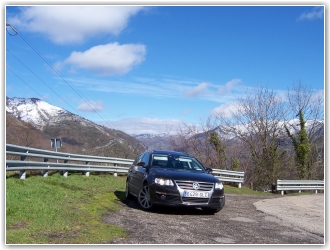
<point x="176" y="162"/>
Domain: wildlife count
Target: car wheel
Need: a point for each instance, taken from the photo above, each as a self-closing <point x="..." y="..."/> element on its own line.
<point x="144" y="198"/>
<point x="128" y="195"/>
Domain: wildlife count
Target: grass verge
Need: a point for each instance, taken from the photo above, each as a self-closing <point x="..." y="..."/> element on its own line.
<point x="243" y="190"/>
<point x="58" y="210"/>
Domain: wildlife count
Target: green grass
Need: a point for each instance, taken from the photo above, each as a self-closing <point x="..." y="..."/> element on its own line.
<point x="58" y="210"/>
<point x="248" y="191"/>
<point x="243" y="190"/>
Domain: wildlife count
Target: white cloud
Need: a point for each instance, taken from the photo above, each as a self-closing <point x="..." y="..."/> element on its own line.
<point x="109" y="59"/>
<point x="91" y="106"/>
<point x="224" y="90"/>
<point x="147" y="125"/>
<point x="186" y="111"/>
<point x="315" y="13"/>
<point x="150" y="87"/>
<point x="225" y="110"/>
<point x="73" y="24"/>
<point x="196" y="91"/>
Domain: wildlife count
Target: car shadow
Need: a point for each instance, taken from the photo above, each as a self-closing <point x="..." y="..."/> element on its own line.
<point x="132" y="203"/>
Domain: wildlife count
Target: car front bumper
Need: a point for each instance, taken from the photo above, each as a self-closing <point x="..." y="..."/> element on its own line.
<point x="171" y="196"/>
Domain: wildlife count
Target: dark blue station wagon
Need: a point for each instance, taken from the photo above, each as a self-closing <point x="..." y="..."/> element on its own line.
<point x="171" y="178"/>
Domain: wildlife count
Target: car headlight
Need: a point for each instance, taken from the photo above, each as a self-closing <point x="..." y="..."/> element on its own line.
<point x="164" y="182"/>
<point x="218" y="185"/>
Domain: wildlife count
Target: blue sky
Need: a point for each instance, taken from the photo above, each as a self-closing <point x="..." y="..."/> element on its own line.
<point x="147" y="69"/>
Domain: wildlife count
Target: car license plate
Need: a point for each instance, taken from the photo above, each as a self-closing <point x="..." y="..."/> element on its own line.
<point x="195" y="194"/>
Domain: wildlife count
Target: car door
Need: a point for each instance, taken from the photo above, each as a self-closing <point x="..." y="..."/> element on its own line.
<point x="132" y="175"/>
<point x="141" y="173"/>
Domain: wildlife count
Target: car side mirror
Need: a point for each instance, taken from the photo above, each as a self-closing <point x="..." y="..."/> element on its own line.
<point x="142" y="164"/>
<point x="209" y="170"/>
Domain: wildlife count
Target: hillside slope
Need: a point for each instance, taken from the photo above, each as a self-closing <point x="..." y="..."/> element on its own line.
<point x="32" y="122"/>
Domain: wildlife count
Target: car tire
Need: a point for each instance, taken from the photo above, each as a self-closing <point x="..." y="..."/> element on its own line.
<point x="144" y="198"/>
<point x="128" y="195"/>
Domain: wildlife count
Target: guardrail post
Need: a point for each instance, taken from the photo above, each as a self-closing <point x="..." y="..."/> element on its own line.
<point x="87" y="173"/>
<point x="65" y="172"/>
<point x="45" y="172"/>
<point x="115" y="173"/>
<point x="22" y="173"/>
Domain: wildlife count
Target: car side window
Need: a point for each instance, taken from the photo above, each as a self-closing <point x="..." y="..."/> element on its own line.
<point x="137" y="160"/>
<point x="145" y="159"/>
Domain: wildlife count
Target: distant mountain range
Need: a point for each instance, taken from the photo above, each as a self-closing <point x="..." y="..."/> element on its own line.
<point x="155" y="141"/>
<point x="149" y="135"/>
<point x="37" y="121"/>
<point x="78" y="134"/>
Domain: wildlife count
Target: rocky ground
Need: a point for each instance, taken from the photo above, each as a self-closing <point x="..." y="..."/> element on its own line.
<point x="245" y="219"/>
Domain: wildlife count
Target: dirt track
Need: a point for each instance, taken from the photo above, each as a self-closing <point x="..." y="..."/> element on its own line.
<point x="245" y="219"/>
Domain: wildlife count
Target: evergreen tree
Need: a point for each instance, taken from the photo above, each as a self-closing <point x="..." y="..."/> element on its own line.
<point x="301" y="145"/>
<point x="219" y="148"/>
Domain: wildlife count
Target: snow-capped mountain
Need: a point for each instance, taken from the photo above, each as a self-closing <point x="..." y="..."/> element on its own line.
<point x="75" y="131"/>
<point x="149" y="135"/>
<point x="315" y="129"/>
<point x="34" y="111"/>
<point x="42" y="114"/>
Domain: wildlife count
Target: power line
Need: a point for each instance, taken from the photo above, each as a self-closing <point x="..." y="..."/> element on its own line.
<point x="79" y="94"/>
<point x="34" y="89"/>
<point x="39" y="79"/>
<point x="25" y="83"/>
<point x="40" y="55"/>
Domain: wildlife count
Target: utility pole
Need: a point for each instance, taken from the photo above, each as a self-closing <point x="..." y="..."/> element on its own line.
<point x="8" y="25"/>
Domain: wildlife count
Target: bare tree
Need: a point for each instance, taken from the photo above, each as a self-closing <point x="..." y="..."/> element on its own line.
<point x="310" y="102"/>
<point x="255" y="119"/>
<point x="188" y="140"/>
<point x="195" y="140"/>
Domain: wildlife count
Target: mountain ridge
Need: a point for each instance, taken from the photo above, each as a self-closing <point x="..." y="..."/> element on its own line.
<point x="78" y="134"/>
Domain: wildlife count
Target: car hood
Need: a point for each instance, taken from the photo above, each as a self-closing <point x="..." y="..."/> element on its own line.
<point x="184" y="175"/>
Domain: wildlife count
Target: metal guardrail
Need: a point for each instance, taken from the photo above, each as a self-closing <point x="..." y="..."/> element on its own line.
<point x="27" y="151"/>
<point x="229" y="176"/>
<point x="283" y="185"/>
<point x="23" y="165"/>
<point x="111" y="163"/>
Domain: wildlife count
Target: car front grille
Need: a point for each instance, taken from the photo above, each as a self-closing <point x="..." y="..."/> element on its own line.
<point x="188" y="185"/>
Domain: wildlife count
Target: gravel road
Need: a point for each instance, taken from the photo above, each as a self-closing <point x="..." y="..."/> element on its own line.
<point x="245" y="219"/>
<point x="303" y="211"/>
